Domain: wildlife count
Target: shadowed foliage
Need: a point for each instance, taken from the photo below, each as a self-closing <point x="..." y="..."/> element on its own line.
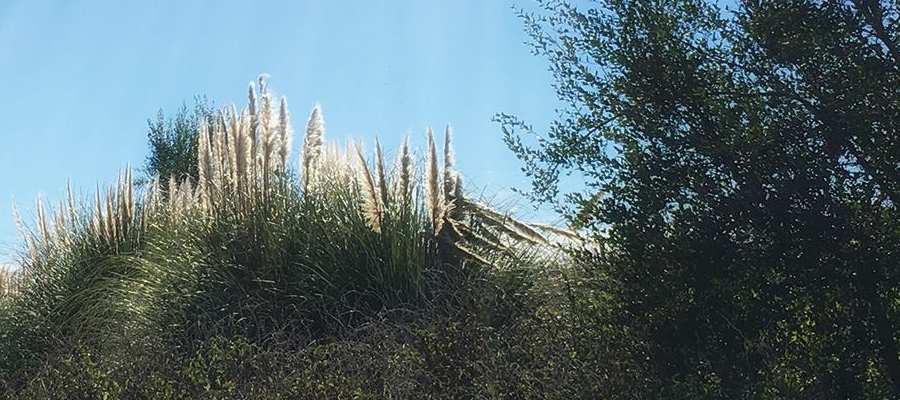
<point x="742" y="169"/>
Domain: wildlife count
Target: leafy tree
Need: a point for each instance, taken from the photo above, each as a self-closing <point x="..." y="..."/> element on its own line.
<point x="173" y="141"/>
<point x="742" y="168"/>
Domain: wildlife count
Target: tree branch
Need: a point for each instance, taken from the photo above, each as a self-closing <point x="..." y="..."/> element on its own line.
<point x="874" y="15"/>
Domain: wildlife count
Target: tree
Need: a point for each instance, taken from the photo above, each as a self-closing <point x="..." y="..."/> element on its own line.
<point x="173" y="141"/>
<point x="742" y="168"/>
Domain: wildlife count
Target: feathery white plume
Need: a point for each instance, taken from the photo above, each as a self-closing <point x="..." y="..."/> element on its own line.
<point x="43" y="227"/>
<point x="284" y="132"/>
<point x="267" y="134"/>
<point x="404" y="173"/>
<point x="433" y="191"/>
<point x="371" y="206"/>
<point x="382" y="178"/>
<point x="312" y="145"/>
<point x="70" y="200"/>
<point x="449" y="180"/>
<point x="203" y="161"/>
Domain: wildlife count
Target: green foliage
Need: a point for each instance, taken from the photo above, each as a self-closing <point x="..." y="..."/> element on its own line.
<point x="289" y="264"/>
<point x="474" y="348"/>
<point x="741" y="171"/>
<point x="309" y="321"/>
<point x="173" y="141"/>
<point x="66" y="293"/>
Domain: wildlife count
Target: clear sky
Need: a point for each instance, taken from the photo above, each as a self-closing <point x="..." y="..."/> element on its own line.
<point x="78" y="80"/>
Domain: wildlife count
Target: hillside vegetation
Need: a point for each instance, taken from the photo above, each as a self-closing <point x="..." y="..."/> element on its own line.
<point x="343" y="277"/>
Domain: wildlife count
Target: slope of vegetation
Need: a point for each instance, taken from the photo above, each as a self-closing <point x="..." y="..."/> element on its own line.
<point x="340" y="278"/>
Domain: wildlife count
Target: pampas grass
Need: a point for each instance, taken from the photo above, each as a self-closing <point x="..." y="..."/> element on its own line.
<point x="433" y="198"/>
<point x="371" y="204"/>
<point x="404" y="173"/>
<point x="7" y="281"/>
<point x="284" y="133"/>
<point x="383" y="188"/>
<point x="449" y="178"/>
<point x="246" y="250"/>
<point x="312" y="146"/>
<point x="242" y="155"/>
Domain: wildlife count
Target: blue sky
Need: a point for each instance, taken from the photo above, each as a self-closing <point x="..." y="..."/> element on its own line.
<point x="78" y="80"/>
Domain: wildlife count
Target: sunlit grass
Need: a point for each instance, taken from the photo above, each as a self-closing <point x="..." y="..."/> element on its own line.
<point x="256" y="248"/>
